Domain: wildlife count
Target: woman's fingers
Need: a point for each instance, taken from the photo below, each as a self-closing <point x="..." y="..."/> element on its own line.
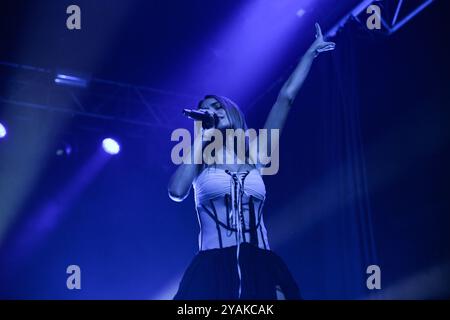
<point x="326" y="47"/>
<point x="320" y="44"/>
<point x="318" y="30"/>
<point x="330" y="45"/>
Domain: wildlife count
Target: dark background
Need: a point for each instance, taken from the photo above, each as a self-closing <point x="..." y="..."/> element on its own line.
<point x="364" y="156"/>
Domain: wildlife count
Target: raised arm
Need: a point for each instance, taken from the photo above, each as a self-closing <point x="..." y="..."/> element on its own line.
<point x="278" y="114"/>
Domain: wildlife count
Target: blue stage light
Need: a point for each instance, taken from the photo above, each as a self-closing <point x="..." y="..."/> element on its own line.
<point x="301" y="13"/>
<point x="71" y="80"/>
<point x="110" y="146"/>
<point x="3" y="131"/>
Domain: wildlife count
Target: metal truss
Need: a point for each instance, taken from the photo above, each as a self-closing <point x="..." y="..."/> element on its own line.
<point x="35" y="88"/>
<point x="394" y="14"/>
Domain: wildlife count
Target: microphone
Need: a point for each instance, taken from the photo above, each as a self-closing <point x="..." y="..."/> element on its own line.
<point x="208" y="120"/>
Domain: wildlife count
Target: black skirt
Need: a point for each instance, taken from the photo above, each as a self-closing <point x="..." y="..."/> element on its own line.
<point x="213" y="275"/>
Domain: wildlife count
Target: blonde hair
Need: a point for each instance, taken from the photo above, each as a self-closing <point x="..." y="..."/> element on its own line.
<point x="235" y="115"/>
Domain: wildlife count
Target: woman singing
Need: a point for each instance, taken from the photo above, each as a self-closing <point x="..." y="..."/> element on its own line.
<point x="234" y="259"/>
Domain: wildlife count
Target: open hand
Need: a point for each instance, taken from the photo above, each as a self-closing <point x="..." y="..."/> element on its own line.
<point x="320" y="45"/>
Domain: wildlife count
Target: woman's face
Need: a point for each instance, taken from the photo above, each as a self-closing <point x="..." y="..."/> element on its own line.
<point x="213" y="106"/>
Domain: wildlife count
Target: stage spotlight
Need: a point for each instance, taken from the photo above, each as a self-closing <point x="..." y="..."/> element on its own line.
<point x="71" y="80"/>
<point x="300" y="13"/>
<point x="64" y="149"/>
<point x="2" y="131"/>
<point x="110" y="146"/>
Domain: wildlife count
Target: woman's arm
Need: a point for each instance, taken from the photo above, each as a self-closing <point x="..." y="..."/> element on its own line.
<point x="278" y="114"/>
<point x="181" y="180"/>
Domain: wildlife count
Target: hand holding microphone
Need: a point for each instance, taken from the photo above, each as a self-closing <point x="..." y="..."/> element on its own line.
<point x="208" y="120"/>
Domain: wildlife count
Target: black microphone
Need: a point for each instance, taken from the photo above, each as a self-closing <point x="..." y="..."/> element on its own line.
<point x="208" y="120"/>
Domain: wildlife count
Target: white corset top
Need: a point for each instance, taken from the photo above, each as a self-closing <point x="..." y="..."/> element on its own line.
<point x="229" y="208"/>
